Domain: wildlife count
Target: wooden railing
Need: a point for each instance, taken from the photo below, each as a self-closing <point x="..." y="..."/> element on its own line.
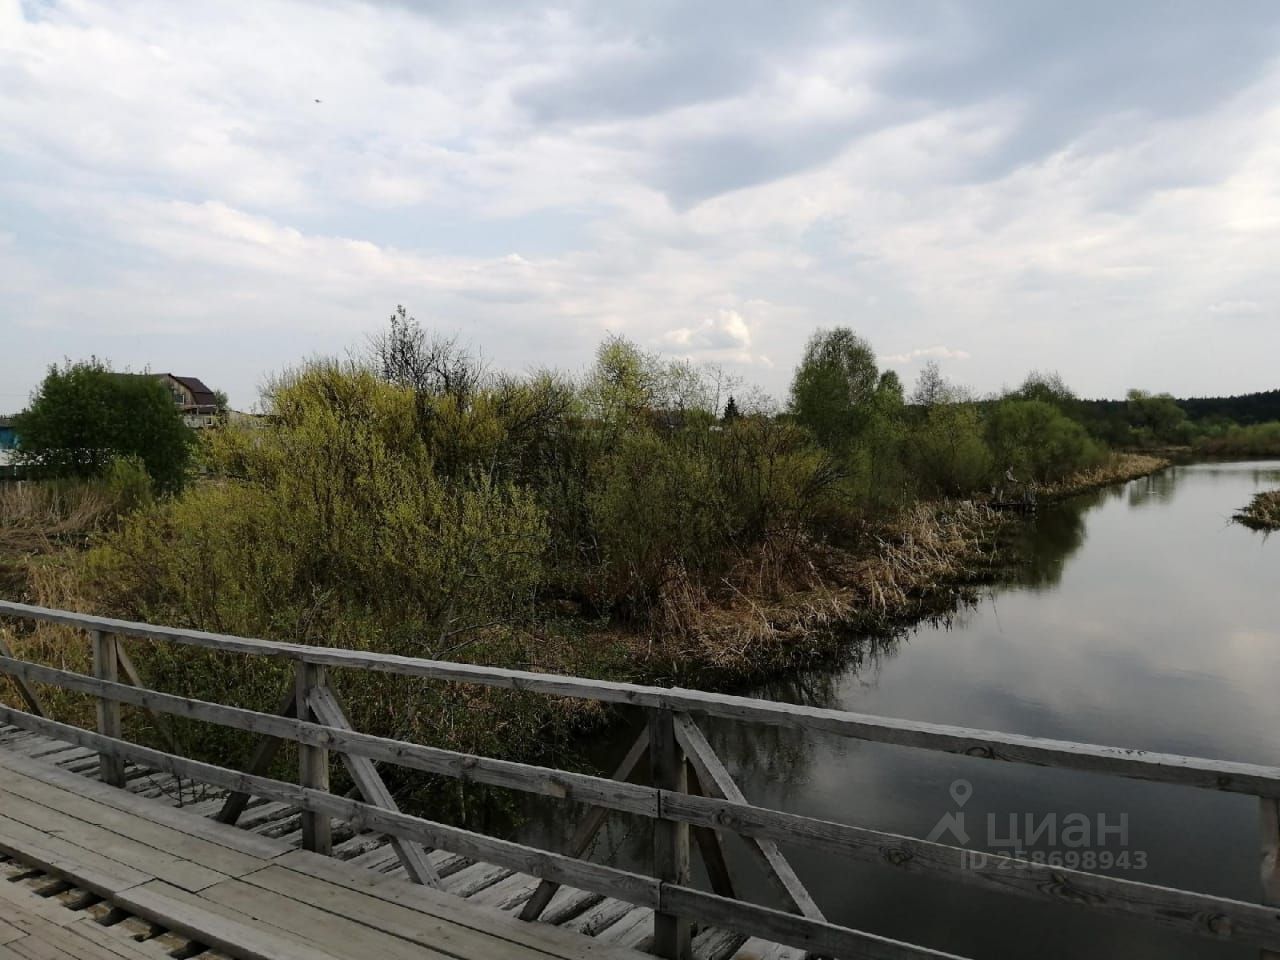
<point x="691" y="792"/>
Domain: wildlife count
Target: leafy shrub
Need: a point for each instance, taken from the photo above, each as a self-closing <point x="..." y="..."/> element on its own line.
<point x="1035" y="441"/>
<point x="947" y="453"/>
<point x="84" y="417"/>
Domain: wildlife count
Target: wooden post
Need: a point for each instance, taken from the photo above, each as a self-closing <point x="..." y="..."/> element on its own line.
<point x="106" y="666"/>
<point x="1269" y="822"/>
<point x="313" y="762"/>
<point x="672" y="934"/>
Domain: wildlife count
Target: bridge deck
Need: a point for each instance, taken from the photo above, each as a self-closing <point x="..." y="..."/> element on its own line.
<point x="217" y="890"/>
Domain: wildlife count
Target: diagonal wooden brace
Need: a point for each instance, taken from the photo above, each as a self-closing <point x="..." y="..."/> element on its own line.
<point x="716" y="779"/>
<point x="587" y="829"/>
<point x="328" y="711"/>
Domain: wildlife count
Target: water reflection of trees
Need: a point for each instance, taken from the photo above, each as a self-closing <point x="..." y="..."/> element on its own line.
<point x="1038" y="550"/>
<point x="1156" y="488"/>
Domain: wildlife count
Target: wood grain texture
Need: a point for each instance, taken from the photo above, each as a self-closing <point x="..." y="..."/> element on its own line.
<point x="716" y="779"/>
<point x="983" y="744"/>
<point x="106" y="667"/>
<point x="328" y="711"/>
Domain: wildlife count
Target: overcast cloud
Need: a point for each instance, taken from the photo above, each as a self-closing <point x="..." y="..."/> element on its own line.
<point x="1087" y="187"/>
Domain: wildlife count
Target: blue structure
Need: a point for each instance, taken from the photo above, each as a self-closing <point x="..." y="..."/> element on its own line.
<point x="8" y="439"/>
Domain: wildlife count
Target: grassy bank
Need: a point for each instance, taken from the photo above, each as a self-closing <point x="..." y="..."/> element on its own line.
<point x="1262" y="513"/>
<point x="1118" y="468"/>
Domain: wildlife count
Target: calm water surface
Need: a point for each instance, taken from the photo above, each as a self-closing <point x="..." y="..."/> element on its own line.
<point x="1143" y="618"/>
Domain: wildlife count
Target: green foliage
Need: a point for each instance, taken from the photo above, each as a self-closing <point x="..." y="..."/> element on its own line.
<point x="1258" y="440"/>
<point x="84" y="417"/>
<point x="947" y="454"/>
<point x="1156" y="419"/>
<point x="336" y="515"/>
<point x="694" y="501"/>
<point x="833" y="385"/>
<point x="1032" y="440"/>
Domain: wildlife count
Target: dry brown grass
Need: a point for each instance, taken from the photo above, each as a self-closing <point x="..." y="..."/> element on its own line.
<point x="790" y="601"/>
<point x="1262" y="513"/>
<point x="1119" y="468"/>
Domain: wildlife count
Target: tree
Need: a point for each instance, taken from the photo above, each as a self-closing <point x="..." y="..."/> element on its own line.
<point x="731" y="410"/>
<point x="1156" y="418"/>
<point x="84" y="416"/>
<point x="834" y="384"/>
<point x="430" y="366"/>
<point x="1047" y="387"/>
<point x="932" y="387"/>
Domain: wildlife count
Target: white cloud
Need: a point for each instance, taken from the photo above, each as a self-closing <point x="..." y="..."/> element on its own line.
<point x="924" y="353"/>
<point x="715" y="185"/>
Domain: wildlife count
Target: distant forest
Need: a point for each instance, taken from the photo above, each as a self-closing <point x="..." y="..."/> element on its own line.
<point x="1246" y="409"/>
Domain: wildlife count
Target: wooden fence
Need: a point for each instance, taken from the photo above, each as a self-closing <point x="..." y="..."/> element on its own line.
<point x="691" y="792"/>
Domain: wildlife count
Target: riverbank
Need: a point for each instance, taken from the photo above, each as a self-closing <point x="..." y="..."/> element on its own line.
<point x="927" y="563"/>
<point x="1262" y="513"/>
<point x="1120" y="468"/>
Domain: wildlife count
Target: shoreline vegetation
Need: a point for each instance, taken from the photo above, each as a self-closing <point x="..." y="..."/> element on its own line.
<point x="648" y="520"/>
<point x="1262" y="512"/>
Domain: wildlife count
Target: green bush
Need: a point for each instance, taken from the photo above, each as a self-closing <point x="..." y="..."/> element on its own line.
<point x="947" y="453"/>
<point x="1034" y="441"/>
<point x="84" y="417"/>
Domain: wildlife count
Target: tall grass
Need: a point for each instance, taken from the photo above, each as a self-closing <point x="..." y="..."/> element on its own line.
<point x="1263" y="512"/>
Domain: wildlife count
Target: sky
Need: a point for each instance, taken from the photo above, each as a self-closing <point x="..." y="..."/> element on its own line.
<point x="222" y="190"/>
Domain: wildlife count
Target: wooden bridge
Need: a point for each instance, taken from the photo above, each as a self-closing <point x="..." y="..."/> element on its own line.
<point x="109" y="869"/>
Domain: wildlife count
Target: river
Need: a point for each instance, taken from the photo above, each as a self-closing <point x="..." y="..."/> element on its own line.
<point x="1144" y="618"/>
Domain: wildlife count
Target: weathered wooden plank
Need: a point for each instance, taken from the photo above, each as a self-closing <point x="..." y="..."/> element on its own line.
<point x="507" y="894"/>
<point x="92" y="871"/>
<point x="1118" y="761"/>
<point x="131" y="674"/>
<point x="816" y="936"/>
<point x="473" y="879"/>
<point x="238" y="840"/>
<point x="305" y="919"/>
<point x="716" y="779"/>
<point x="717" y="944"/>
<point x="590" y="825"/>
<point x="313" y="762"/>
<point x="711" y="847"/>
<point x="608" y="880"/>
<point x="29" y="695"/>
<point x="106" y="667"/>
<point x="1269" y="835"/>
<point x="1204" y="915"/>
<point x="95" y="839"/>
<point x="134" y="825"/>
<point x="326" y="710"/>
<point x="547" y="781"/>
<point x="1212" y="917"/>
<point x="165" y="905"/>
<point x="672" y="932"/>
<point x="354" y="909"/>
<point x="434" y="903"/>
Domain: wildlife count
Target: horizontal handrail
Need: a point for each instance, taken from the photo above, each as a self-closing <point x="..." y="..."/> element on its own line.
<point x="822" y="937"/>
<point x="1186" y="911"/>
<point x="1229" y="776"/>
